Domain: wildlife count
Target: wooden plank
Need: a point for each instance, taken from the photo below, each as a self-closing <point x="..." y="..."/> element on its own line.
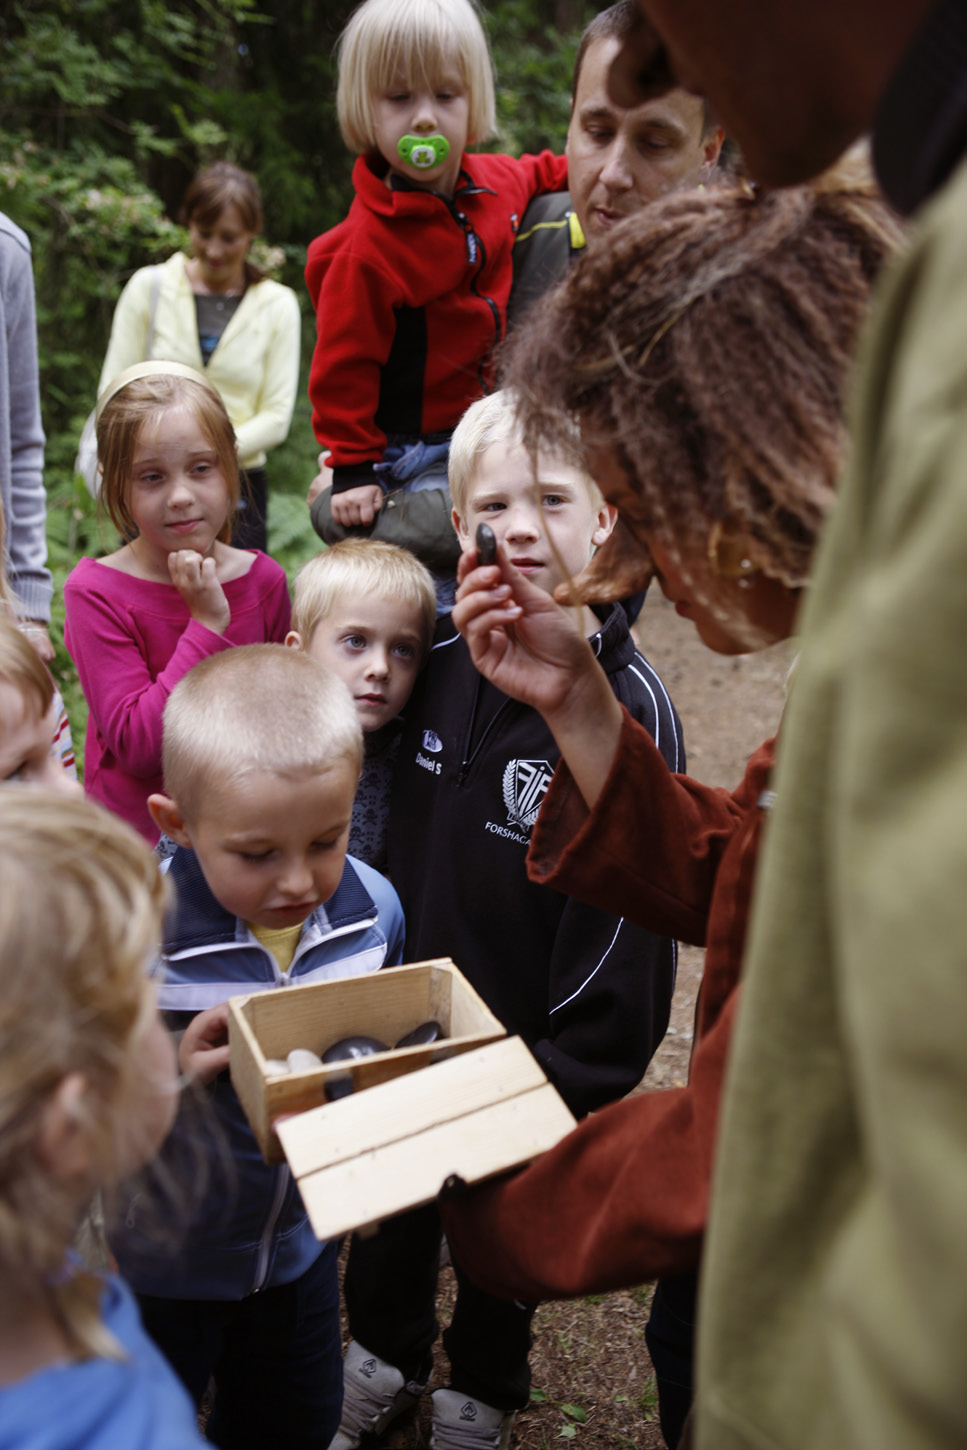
<point x="405" y="1174"/>
<point x="408" y="1106"/>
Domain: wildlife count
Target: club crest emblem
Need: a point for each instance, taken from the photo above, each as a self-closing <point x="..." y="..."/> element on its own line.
<point x="525" y="785"/>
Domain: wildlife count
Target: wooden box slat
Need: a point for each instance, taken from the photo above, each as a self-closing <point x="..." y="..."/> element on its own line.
<point x="388" y="1178"/>
<point x="421" y="1100"/>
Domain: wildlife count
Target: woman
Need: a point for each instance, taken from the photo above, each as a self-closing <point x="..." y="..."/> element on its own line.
<point x="704" y="352"/>
<point x="219" y="314"/>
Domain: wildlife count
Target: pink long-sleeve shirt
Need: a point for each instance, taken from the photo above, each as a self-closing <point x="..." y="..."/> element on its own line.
<point x="132" y="640"/>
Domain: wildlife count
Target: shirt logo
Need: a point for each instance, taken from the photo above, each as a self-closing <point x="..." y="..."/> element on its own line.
<point x="525" y="785"/>
<point x="432" y="742"/>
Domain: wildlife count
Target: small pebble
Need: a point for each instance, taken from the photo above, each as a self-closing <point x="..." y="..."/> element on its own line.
<point x="274" y="1065"/>
<point x="353" y="1047"/>
<point x="421" y="1036"/>
<point x="301" y="1059"/>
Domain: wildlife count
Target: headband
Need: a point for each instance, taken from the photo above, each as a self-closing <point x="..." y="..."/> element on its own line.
<point x="153" y="368"/>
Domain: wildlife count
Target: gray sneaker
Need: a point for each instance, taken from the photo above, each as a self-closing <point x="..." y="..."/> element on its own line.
<point x="462" y="1423"/>
<point x="374" y="1394"/>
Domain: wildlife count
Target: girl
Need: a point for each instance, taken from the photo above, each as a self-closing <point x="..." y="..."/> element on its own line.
<point x="713" y="339"/>
<point x="410" y="291"/>
<point x="216" y="311"/>
<point x="87" y="1093"/>
<point x="138" y="619"/>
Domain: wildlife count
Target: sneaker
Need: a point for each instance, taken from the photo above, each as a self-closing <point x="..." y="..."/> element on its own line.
<point x="374" y="1394"/>
<point x="462" y="1423"/>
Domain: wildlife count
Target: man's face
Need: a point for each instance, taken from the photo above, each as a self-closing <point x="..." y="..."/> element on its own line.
<point x="769" y="71"/>
<point x="620" y="160"/>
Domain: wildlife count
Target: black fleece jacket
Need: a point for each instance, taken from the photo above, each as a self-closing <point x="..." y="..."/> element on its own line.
<point x="589" y="992"/>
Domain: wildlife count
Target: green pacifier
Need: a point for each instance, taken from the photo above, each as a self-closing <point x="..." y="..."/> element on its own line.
<point x="423" y="152"/>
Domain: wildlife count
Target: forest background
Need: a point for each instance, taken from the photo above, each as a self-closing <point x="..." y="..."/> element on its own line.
<point x="109" y="107"/>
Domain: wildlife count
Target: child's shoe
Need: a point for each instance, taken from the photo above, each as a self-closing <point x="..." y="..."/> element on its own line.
<point x="374" y="1394"/>
<point x="462" y="1423"/>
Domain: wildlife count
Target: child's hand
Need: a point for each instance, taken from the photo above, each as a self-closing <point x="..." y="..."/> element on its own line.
<point x="196" y="581"/>
<point x="203" y="1049"/>
<point x="522" y="641"/>
<point x="357" y="505"/>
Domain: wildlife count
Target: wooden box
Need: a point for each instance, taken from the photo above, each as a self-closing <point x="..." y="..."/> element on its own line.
<point x="472" y="1104"/>
<point x="385" y="1004"/>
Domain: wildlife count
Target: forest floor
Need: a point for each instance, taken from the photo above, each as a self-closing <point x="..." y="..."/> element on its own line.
<point x="593" y="1385"/>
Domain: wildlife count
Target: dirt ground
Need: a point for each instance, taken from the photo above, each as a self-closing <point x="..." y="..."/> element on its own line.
<point x="592" y="1379"/>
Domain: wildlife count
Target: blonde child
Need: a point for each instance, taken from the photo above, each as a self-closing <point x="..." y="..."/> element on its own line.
<point x="262" y="751"/>
<point x="176" y="591"/>
<point x="411" y="289"/>
<point x="31" y="716"/>
<point x="87" y="1093"/>
<point x="588" y="992"/>
<point x="366" y="611"/>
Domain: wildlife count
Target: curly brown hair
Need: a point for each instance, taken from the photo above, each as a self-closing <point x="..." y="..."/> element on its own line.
<point x="707" y="343"/>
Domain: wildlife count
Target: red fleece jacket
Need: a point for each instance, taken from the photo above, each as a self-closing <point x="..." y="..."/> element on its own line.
<point x="410" y="293"/>
<point x="624" y="1197"/>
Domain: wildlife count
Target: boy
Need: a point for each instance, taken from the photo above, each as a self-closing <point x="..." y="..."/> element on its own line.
<point x="262" y="751"/>
<point x="366" y="611"/>
<point x="411" y="289"/>
<point x="589" y="993"/>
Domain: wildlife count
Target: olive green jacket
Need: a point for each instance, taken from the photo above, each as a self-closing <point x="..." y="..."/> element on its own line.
<point x="834" y="1305"/>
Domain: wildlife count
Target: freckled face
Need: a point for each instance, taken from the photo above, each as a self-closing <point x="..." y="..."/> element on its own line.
<point x="548" y="526"/>
<point x="272" y="848"/>
<point x="375" y="646"/>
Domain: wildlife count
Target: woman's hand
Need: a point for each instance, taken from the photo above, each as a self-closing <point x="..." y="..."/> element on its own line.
<point x="524" y="643"/>
<point x="203" y="1049"/>
<point x="196" y="580"/>
<point x="357" y="505"/>
<point x="535" y="651"/>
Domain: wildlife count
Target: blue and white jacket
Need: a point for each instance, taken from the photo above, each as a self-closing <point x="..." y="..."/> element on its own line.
<point x="246" y="1226"/>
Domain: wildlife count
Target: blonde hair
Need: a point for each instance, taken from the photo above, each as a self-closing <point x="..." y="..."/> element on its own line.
<point x="418" y="40"/>
<point x="80" y="917"/>
<point x="255" y="708"/>
<point x="22" y="667"/>
<point x="369" y="567"/>
<point x="124" y="415"/>
<point x="494" y="419"/>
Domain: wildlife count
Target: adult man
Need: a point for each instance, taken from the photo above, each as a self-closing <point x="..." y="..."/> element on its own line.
<point x="833" y="1311"/>
<point x="619" y="159"/>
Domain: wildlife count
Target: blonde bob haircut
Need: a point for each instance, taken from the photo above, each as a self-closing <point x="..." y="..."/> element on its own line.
<point x="418" y="41"/>
<point x="80" y="919"/>
<point x="362" y="566"/>
<point x="22" y="668"/>
<point x="258" y="708"/>
<point x="127" y="410"/>
<point x="491" y="420"/>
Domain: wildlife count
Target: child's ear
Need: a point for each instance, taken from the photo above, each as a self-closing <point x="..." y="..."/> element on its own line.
<point x="293" y="639"/>
<point x="462" y="532"/>
<point x="607" y="518"/>
<point x="63" y="1144"/>
<point x="168" y="818"/>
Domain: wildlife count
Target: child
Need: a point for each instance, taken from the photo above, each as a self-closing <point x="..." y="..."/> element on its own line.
<point x="175" y="592"/>
<point x="411" y="290"/>
<point x="366" y="611"/>
<point x="31" y="716"/>
<point x="589" y="993"/>
<point x="777" y="288"/>
<point x="87" y="1092"/>
<point x="262" y="751"/>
